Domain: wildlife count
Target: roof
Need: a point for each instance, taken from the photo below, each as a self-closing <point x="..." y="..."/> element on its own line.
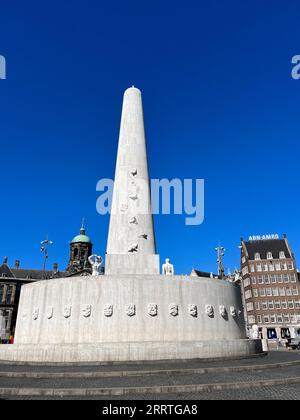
<point x="27" y="274"/>
<point x="82" y="237"/>
<point x="203" y="273"/>
<point x="264" y="246"/>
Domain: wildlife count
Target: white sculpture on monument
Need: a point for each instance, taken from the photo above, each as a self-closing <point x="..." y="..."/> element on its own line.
<point x="168" y="268"/>
<point x="255" y="332"/>
<point x="96" y="262"/>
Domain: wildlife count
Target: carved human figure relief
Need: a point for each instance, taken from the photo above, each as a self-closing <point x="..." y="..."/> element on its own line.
<point x="35" y="314"/>
<point x="134" y="172"/>
<point x="124" y="208"/>
<point x="143" y="236"/>
<point x="134" y="248"/>
<point x="133" y="196"/>
<point x="223" y="311"/>
<point x="87" y="310"/>
<point x="133" y="221"/>
<point x="209" y="310"/>
<point x="108" y="310"/>
<point x="50" y="312"/>
<point x="96" y="262"/>
<point x="130" y="309"/>
<point x="67" y="311"/>
<point x="173" y="309"/>
<point x="152" y="309"/>
<point x="233" y="311"/>
<point x="193" y="311"/>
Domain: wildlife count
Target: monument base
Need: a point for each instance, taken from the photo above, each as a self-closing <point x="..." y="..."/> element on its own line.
<point x="129" y="352"/>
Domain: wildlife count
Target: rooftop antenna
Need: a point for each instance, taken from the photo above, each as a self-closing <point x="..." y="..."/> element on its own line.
<point x="44" y="248"/>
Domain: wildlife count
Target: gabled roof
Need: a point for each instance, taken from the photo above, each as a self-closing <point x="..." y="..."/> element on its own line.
<point x="264" y="246"/>
<point x="5" y="271"/>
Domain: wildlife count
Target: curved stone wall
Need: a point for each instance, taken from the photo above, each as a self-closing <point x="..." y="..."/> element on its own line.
<point x="116" y="309"/>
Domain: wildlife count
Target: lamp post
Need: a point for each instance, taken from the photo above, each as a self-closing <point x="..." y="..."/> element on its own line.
<point x="220" y="254"/>
<point x="44" y="248"/>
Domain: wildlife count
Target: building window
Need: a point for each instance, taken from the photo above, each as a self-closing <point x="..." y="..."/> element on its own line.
<point x="271" y="304"/>
<point x="275" y="291"/>
<point x="297" y="304"/>
<point x="252" y="268"/>
<point x="9" y="295"/>
<point x="257" y="306"/>
<point x="281" y="291"/>
<point x="273" y="278"/>
<point x="279" y="319"/>
<point x="257" y="256"/>
<point x="273" y="319"/>
<point x="264" y="306"/>
<point x="277" y="304"/>
<point x="286" y="318"/>
<point x="253" y="280"/>
<point x="245" y="271"/>
<point x="251" y="319"/>
<point x="283" y="266"/>
<point x="249" y="306"/>
<point x="278" y="266"/>
<point x="282" y="255"/>
<point x="285" y="278"/>
<point x="291" y="265"/>
<point x="266" y="279"/>
<point x="262" y="292"/>
<point x="248" y="294"/>
<point x="268" y="291"/>
<point x="271" y="267"/>
<point x="293" y="318"/>
<point x="284" y="304"/>
<point x="288" y="291"/>
<point x="285" y="332"/>
<point x="279" y="278"/>
<point x="259" y="319"/>
<point x="269" y="256"/>
<point x="265" y="267"/>
<point x="293" y="278"/>
<point x="295" y="291"/>
<point x="291" y="304"/>
<point x="1" y="293"/>
<point x="266" y="319"/>
<point x="258" y="267"/>
<point x="246" y="282"/>
<point x="260" y="280"/>
<point x="255" y="292"/>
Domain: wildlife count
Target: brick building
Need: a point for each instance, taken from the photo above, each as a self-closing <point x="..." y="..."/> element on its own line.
<point x="270" y="286"/>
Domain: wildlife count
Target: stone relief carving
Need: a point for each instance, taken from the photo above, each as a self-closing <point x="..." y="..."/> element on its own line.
<point x="173" y="309"/>
<point x="130" y="309"/>
<point x="233" y="311"/>
<point x="87" y="310"/>
<point x="35" y="314"/>
<point x="108" y="309"/>
<point x="67" y="311"/>
<point x="133" y="221"/>
<point x="134" y="248"/>
<point x="193" y="310"/>
<point x="124" y="208"/>
<point x="50" y="312"/>
<point x="223" y="311"/>
<point x="133" y="196"/>
<point x="209" y="310"/>
<point x="143" y="236"/>
<point x="152" y="309"/>
<point x="134" y="172"/>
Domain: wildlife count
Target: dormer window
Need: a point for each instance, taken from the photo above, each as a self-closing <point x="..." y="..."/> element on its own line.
<point x="257" y="256"/>
<point x="269" y="256"/>
<point x="282" y="255"/>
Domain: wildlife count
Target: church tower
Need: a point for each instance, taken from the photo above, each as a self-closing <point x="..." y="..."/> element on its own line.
<point x="80" y="249"/>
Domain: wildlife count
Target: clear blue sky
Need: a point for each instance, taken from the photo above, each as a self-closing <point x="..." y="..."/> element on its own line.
<point x="219" y="103"/>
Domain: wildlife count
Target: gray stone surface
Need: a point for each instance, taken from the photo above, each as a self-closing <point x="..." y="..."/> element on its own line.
<point x="131" y="243"/>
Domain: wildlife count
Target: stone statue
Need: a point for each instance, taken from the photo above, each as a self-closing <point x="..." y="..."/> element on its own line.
<point x="168" y="268"/>
<point x="255" y="332"/>
<point x="96" y="262"/>
<point x="223" y="311"/>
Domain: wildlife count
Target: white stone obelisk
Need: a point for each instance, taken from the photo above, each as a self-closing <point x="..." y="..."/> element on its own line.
<point x="131" y="241"/>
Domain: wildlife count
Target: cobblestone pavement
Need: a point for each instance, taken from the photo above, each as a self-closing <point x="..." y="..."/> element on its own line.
<point x="286" y="391"/>
<point x="272" y="357"/>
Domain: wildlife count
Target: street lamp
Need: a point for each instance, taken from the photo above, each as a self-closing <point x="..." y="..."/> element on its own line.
<point x="44" y="248"/>
<point x="220" y="254"/>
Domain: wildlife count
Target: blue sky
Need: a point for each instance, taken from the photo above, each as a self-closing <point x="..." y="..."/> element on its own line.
<point x="219" y="104"/>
